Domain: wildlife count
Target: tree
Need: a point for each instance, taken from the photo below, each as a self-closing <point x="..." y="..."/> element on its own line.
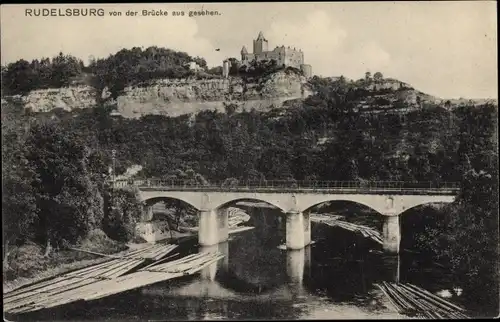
<point x="18" y="77"/>
<point x="471" y="244"/>
<point x="122" y="214"/>
<point x="68" y="201"/>
<point x="217" y="70"/>
<point x="200" y="61"/>
<point x="230" y="108"/>
<point x="234" y="66"/>
<point x="19" y="208"/>
<point x="378" y="76"/>
<point x="64" y="67"/>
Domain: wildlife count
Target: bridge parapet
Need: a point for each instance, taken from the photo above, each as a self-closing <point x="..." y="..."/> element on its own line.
<point x="364" y="187"/>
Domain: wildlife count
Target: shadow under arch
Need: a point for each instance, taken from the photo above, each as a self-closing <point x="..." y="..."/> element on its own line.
<point x="420" y="229"/>
<point x="257" y="203"/>
<point x="420" y="219"/>
<point x="430" y="204"/>
<point x="170" y="200"/>
<point x="338" y="241"/>
<point x="159" y="212"/>
<point x="268" y="219"/>
<point x="349" y="210"/>
<point x="328" y="202"/>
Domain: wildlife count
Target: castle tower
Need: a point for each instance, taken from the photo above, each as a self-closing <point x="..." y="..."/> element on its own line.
<point x="260" y="44"/>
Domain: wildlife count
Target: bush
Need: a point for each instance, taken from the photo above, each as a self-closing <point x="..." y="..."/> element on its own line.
<point x="230" y="182"/>
<point x="123" y="213"/>
<point x="21" y="260"/>
<point x="98" y="241"/>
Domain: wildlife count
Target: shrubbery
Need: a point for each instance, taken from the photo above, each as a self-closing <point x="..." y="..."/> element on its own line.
<point x="126" y="67"/>
<point x="123" y="212"/>
<point x="22" y="76"/>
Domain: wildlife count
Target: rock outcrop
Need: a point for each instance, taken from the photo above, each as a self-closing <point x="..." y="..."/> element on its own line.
<point x="67" y="98"/>
<point x="174" y="97"/>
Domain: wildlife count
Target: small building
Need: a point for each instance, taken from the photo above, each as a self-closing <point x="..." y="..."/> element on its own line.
<point x="115" y="113"/>
<point x="194" y="66"/>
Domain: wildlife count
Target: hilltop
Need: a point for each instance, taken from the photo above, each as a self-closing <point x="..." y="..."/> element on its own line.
<point x="161" y="81"/>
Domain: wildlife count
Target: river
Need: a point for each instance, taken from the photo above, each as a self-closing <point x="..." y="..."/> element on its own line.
<point x="333" y="278"/>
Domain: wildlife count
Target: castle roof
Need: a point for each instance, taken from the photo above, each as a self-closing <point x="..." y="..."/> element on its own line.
<point x="244" y="50"/>
<point x="261" y="36"/>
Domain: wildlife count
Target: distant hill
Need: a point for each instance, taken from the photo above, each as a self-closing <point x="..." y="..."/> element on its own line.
<point x="383" y="95"/>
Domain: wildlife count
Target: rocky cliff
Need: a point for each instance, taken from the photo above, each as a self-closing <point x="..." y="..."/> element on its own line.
<point x="180" y="96"/>
<point x="176" y="97"/>
<point x="67" y="98"/>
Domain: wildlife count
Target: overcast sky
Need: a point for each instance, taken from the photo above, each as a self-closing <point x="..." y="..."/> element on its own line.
<point x="447" y="49"/>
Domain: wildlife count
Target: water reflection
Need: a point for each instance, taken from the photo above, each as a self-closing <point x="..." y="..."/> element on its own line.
<point x="297" y="263"/>
<point x="210" y="271"/>
<point x="295" y="260"/>
<point x="391" y="265"/>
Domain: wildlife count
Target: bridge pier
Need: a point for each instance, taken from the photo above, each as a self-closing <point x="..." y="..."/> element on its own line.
<point x="391" y="235"/>
<point x="147" y="213"/>
<point x="213" y="227"/>
<point x="307" y="229"/>
<point x="298" y="230"/>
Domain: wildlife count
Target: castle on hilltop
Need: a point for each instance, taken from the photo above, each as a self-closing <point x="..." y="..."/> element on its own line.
<point x="284" y="56"/>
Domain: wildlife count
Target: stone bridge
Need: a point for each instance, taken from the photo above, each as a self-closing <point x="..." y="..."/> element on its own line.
<point x="295" y="199"/>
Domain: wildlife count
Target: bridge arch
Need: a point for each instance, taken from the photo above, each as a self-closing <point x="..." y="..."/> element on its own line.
<point x="376" y="204"/>
<point x="155" y="200"/>
<point x="150" y="197"/>
<point x="384" y="204"/>
<point x="425" y="203"/>
<point x="308" y="207"/>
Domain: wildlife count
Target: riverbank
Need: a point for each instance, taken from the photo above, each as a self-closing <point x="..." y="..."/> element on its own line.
<point x="27" y="265"/>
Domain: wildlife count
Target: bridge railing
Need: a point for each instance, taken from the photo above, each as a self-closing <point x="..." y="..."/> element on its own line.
<point x="229" y="185"/>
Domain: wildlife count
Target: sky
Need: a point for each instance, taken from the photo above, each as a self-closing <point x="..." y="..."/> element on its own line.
<point x="443" y="48"/>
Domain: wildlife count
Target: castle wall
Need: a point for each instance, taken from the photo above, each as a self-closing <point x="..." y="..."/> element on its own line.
<point x="282" y="55"/>
<point x="307" y="70"/>
<point x="247" y="58"/>
<point x="293" y="57"/>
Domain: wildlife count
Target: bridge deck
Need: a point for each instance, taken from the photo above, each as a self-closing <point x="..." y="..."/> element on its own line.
<point x="407" y="191"/>
<point x="319" y="187"/>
